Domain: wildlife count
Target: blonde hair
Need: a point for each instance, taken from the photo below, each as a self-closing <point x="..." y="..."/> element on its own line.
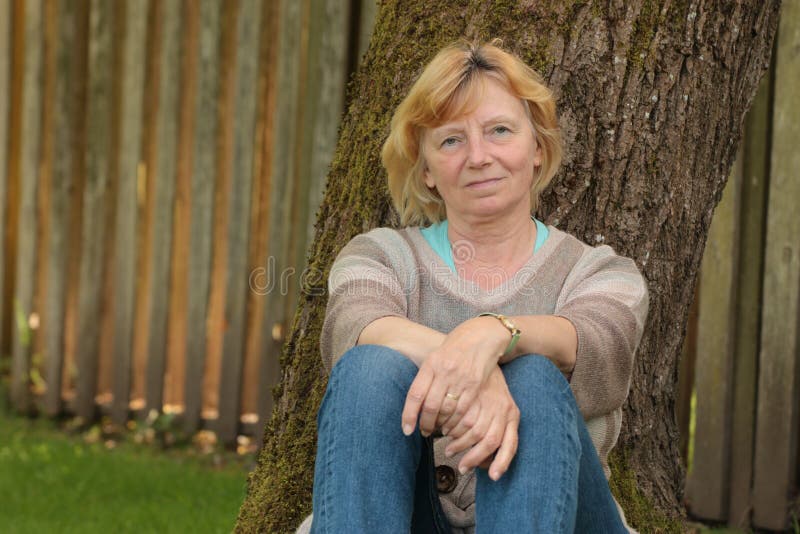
<point x="447" y="88"/>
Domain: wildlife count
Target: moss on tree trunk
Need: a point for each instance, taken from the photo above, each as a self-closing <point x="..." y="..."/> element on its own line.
<point x="652" y="96"/>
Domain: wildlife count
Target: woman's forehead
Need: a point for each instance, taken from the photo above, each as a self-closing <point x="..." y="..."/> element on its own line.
<point x="484" y="91"/>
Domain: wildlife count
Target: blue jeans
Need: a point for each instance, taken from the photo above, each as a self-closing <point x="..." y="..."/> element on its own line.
<point x="370" y="477"/>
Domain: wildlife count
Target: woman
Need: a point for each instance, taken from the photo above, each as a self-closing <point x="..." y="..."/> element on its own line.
<point x="476" y="325"/>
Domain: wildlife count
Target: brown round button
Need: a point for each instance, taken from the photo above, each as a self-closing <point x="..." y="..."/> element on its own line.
<point x="445" y="479"/>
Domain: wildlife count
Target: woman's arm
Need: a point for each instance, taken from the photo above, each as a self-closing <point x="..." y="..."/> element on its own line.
<point x="412" y="339"/>
<point x="549" y="335"/>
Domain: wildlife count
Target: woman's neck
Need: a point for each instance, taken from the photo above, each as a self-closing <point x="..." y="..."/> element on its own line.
<point x="500" y="245"/>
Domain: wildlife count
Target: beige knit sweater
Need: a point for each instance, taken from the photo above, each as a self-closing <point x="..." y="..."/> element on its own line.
<point x="388" y="272"/>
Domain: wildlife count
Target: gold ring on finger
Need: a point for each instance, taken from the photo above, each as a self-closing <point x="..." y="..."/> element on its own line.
<point x="452" y="396"/>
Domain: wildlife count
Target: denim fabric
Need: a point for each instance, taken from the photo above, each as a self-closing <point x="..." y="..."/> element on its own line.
<point x="370" y="477"/>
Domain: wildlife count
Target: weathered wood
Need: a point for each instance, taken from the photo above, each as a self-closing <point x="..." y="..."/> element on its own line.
<point x="203" y="166"/>
<point x="174" y="379"/>
<point x="21" y="335"/>
<point x="6" y="15"/>
<point x="78" y="141"/>
<point x="277" y="259"/>
<point x="755" y="164"/>
<point x="224" y="157"/>
<point x="134" y="18"/>
<point x="53" y="317"/>
<point x="261" y="365"/>
<point x="95" y="200"/>
<point x="239" y="219"/>
<point x="44" y="225"/>
<point x="259" y="219"/>
<point x="707" y="486"/>
<point x="777" y="413"/>
<point x="146" y="203"/>
<point x="164" y="193"/>
<point x="329" y="28"/>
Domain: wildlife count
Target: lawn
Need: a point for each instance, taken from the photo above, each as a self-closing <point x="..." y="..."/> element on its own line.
<point x="54" y="482"/>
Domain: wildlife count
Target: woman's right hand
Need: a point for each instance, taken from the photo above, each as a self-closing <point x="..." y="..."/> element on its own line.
<point x="489" y="427"/>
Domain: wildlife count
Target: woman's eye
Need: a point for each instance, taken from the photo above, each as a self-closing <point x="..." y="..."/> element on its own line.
<point x="501" y="130"/>
<point x="450" y="141"/>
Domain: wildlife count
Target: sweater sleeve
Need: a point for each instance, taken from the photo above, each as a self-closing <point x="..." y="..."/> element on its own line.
<point x="362" y="287"/>
<point x="605" y="297"/>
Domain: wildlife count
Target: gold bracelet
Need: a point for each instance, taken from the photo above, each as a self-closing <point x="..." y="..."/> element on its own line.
<point x="510" y="326"/>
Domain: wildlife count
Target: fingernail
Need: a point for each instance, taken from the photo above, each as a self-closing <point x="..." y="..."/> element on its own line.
<point x="408" y="429"/>
<point x="424" y="433"/>
<point x="448" y="453"/>
<point x="462" y="469"/>
<point x="444" y="432"/>
<point x="495" y="475"/>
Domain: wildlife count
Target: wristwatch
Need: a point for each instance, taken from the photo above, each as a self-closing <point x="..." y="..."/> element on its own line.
<point x="510" y="326"/>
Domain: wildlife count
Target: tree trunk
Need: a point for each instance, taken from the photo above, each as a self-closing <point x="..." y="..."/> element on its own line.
<point x="652" y="97"/>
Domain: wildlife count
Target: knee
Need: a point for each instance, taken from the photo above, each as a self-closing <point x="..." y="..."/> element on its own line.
<point x="535" y="378"/>
<point x="372" y="373"/>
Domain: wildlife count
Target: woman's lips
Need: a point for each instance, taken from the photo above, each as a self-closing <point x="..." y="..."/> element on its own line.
<point x="489" y="182"/>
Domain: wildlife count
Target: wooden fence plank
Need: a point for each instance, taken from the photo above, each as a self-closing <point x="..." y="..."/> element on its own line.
<point x="174" y="380"/>
<point x="329" y="29"/>
<point x="164" y="179"/>
<point x="777" y="414"/>
<point x="105" y="382"/>
<point x="45" y="192"/>
<point x="6" y="15"/>
<point x="95" y="195"/>
<point x="146" y="203"/>
<point x="707" y="487"/>
<point x="202" y="201"/>
<point x="277" y="260"/>
<point x="224" y="156"/>
<point x="28" y="179"/>
<point x="265" y="370"/>
<point x="61" y="181"/>
<point x="134" y="31"/>
<point x="78" y="141"/>
<point x="239" y="219"/>
<point x="259" y="242"/>
<point x="755" y="162"/>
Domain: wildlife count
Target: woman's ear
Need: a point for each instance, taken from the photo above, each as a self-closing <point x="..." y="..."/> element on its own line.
<point x="426" y="175"/>
<point x="537" y="154"/>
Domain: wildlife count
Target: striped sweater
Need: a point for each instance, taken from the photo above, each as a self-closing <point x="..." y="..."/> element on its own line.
<point x="387" y="272"/>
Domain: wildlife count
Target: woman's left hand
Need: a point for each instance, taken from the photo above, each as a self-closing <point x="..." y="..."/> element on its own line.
<point x="489" y="429"/>
<point x="449" y="379"/>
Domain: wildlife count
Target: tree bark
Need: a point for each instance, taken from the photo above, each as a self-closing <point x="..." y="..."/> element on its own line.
<point x="652" y="96"/>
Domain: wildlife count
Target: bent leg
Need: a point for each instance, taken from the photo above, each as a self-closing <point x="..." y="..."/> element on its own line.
<point x="365" y="472"/>
<point x="538" y="493"/>
<point x="555" y="482"/>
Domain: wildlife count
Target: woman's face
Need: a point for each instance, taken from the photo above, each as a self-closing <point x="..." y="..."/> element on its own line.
<point x="482" y="163"/>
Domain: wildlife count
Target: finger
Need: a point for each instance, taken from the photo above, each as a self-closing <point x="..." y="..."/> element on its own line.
<point x="466" y="400"/>
<point x="415" y="398"/>
<point x="506" y="452"/>
<point x="465" y="424"/>
<point x="473" y="436"/>
<point x="431" y="406"/>
<point x="487" y="446"/>
<point x="446" y="410"/>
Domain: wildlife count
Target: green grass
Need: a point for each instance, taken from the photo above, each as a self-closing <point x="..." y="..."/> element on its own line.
<point x="54" y="482"/>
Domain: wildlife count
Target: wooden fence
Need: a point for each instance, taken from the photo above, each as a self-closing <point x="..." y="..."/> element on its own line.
<point x="744" y="346"/>
<point x="161" y="165"/>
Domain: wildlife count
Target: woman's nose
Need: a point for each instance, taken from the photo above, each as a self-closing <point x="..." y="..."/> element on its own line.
<point x="478" y="152"/>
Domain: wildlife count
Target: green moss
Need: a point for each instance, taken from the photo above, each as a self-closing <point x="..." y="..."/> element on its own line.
<point x="639" y="510"/>
<point x="644" y="28"/>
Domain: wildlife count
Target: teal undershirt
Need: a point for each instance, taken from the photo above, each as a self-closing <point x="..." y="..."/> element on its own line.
<point x="436" y="236"/>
